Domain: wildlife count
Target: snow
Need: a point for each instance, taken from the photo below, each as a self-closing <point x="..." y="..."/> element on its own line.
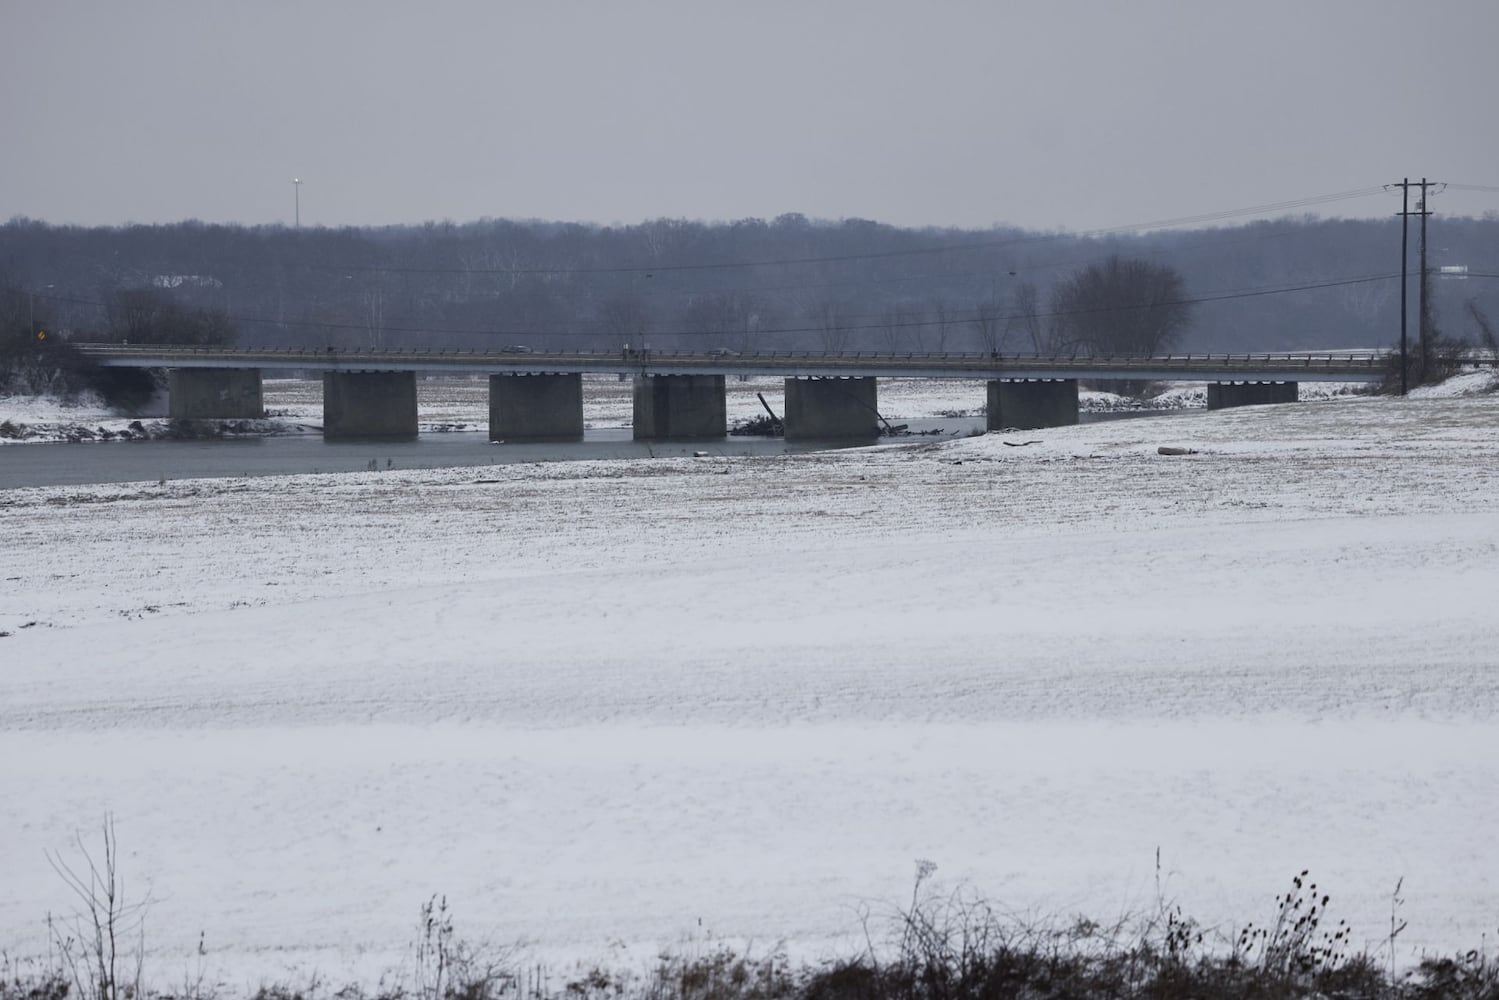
<point x="47" y="418"/>
<point x="1472" y="383"/>
<point x="608" y="705"/>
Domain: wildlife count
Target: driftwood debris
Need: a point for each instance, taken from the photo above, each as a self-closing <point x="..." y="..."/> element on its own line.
<point x="769" y="425"/>
<point x="775" y="420"/>
<point x="1166" y="449"/>
<point x="1021" y="444"/>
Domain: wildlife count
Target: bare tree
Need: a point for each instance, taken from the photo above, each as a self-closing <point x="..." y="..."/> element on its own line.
<point x="146" y="316"/>
<point x="988" y="325"/>
<point x="371" y="307"/>
<point x="830" y="320"/>
<point x="514" y="264"/>
<point x="106" y="940"/>
<point x="725" y="319"/>
<point x="941" y="326"/>
<point x="1026" y="320"/>
<point x="1121" y="306"/>
<point x="374" y="302"/>
<point x="900" y="326"/>
<point x="1486" y="333"/>
<point x="624" y="319"/>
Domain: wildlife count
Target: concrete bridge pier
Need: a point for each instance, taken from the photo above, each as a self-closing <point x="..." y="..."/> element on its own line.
<point x="1032" y="403"/>
<point x="208" y="393"/>
<point x="545" y="407"/>
<point x="831" y="409"/>
<point x="679" y="407"/>
<point x="369" y="405"/>
<point x="1222" y="395"/>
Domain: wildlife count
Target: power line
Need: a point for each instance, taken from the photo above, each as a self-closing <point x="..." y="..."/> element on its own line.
<point x="1177" y="222"/>
<point x="856" y="327"/>
<point x="658" y="291"/>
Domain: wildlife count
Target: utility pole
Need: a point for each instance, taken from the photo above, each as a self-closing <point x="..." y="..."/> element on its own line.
<point x="31" y="330"/>
<point x="1405" y="225"/>
<point x="1423" y="330"/>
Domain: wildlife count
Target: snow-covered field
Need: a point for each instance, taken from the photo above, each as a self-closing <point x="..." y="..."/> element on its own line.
<point x="606" y="706"/>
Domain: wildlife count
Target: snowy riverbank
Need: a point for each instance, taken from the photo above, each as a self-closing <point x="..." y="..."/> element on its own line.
<point x="602" y="706"/>
<point x="295" y="406"/>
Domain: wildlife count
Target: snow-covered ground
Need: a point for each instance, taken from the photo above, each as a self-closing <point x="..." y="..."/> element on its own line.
<point x="605" y="706"/>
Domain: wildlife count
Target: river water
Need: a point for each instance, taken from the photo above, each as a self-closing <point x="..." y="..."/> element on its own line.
<point x="66" y="464"/>
<point x="63" y="464"/>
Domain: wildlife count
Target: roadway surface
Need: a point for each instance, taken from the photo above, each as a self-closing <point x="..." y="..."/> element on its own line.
<point x="1296" y="367"/>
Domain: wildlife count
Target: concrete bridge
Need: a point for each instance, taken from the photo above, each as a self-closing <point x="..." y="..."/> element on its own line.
<point x="535" y="396"/>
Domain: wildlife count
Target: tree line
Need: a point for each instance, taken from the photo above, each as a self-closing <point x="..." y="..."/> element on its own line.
<point x="784" y="284"/>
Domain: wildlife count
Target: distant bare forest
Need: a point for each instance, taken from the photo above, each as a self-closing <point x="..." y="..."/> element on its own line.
<point x="787" y="283"/>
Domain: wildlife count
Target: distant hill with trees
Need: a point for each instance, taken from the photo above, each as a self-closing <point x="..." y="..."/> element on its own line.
<point x="751" y="284"/>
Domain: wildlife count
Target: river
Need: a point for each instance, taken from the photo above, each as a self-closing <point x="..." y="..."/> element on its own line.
<point x="70" y="464"/>
<point x="63" y="464"/>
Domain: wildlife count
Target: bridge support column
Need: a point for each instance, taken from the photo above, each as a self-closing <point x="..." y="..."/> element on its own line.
<point x="1026" y="405"/>
<point x="829" y="409"/>
<point x="1222" y="395"/>
<point x="205" y="393"/>
<point x="679" y="406"/>
<point x="369" y="405"/>
<point x="536" y="407"/>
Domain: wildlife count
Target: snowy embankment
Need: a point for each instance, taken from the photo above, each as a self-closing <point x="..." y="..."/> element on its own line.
<point x="607" y="706"/>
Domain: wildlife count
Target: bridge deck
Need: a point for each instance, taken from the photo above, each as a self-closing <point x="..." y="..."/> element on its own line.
<point x="1328" y="367"/>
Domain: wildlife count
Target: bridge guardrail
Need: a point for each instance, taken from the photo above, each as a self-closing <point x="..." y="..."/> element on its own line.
<point x="963" y="357"/>
<point x="1361" y="365"/>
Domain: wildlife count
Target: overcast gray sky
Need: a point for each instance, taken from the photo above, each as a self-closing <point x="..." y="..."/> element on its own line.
<point x="1044" y="114"/>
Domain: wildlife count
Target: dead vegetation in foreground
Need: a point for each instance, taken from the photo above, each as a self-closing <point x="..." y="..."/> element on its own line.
<point x="941" y="946"/>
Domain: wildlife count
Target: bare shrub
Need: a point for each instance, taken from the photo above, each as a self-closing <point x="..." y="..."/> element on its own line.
<point x="720" y="974"/>
<point x="1440" y="359"/>
<point x="942" y="944"/>
<point x="102" y="945"/>
<point x="446" y="967"/>
<point x="1471" y="976"/>
<point x="712" y="972"/>
<point x="30" y="979"/>
<point x="1294" y="943"/>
